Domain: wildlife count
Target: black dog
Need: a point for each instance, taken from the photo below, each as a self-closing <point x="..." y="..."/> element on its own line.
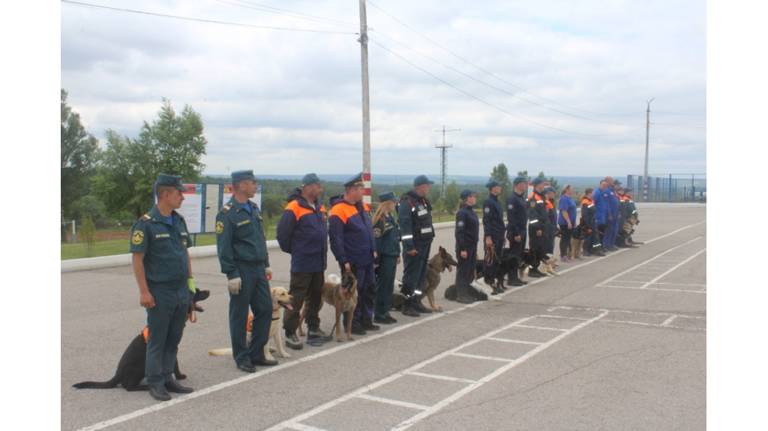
<point x="130" y="368"/>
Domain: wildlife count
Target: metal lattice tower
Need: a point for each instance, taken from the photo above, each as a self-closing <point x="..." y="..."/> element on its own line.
<point x="443" y="163"/>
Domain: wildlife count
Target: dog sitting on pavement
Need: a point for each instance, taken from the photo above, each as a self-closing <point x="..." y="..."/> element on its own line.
<point x="342" y="296"/>
<point x="130" y="368"/>
<point x="280" y="299"/>
<point x="436" y="266"/>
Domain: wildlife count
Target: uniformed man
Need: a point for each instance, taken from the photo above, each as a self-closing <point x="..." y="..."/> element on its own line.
<point x="623" y="239"/>
<point x="243" y="256"/>
<point x="517" y="220"/>
<point x="612" y="230"/>
<point x="549" y="201"/>
<point x="592" y="245"/>
<point x="302" y="231"/>
<point x="467" y="231"/>
<point x="415" y="216"/>
<point x="493" y="231"/>
<point x="601" y="198"/>
<point x="387" y="235"/>
<point x="538" y="225"/>
<point x="163" y="270"/>
<point x="632" y="215"/>
<point x="353" y="246"/>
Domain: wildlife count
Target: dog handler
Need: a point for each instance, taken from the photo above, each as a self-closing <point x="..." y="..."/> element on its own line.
<point x="467" y="232"/>
<point x="415" y="216"/>
<point x="538" y="225"/>
<point x="163" y="270"/>
<point x="303" y="233"/>
<point x="353" y="246"/>
<point x="493" y="230"/>
<point x="243" y="256"/>
<point x="387" y="235"/>
<point x="517" y="220"/>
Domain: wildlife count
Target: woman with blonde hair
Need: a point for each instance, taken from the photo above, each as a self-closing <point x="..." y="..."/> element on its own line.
<point x="386" y="232"/>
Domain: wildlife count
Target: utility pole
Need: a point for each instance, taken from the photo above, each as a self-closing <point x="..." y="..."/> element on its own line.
<point x="647" y="131"/>
<point x="366" y="108"/>
<point x="443" y="147"/>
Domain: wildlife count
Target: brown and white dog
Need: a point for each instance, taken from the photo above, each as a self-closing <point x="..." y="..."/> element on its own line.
<point x="280" y="298"/>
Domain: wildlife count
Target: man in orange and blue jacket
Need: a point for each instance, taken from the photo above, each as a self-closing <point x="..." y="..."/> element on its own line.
<point x="354" y="247"/>
<point x="302" y="232"/>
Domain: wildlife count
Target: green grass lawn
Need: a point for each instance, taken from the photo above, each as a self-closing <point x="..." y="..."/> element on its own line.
<point x="120" y="246"/>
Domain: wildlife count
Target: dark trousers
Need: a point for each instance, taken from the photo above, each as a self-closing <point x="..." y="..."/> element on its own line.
<point x="516" y="250"/>
<point x="254" y="295"/>
<point x="166" y="322"/>
<point x="366" y="293"/>
<point x="385" y="285"/>
<point x="591" y="241"/>
<point x="537" y="246"/>
<point x="304" y="286"/>
<point x="490" y="266"/>
<point x="465" y="272"/>
<point x="565" y="239"/>
<point x="415" y="270"/>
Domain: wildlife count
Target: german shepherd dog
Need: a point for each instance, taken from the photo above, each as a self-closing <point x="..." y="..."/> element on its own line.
<point x="130" y="368"/>
<point x="343" y="297"/>
<point x="436" y="266"/>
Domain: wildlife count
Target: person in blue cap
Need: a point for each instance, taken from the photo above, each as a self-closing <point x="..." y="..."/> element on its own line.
<point x="601" y="198"/>
<point x="163" y="271"/>
<point x="352" y="243"/>
<point x="467" y="233"/>
<point x="302" y="231"/>
<point x="387" y="234"/>
<point x="493" y="233"/>
<point x="612" y="230"/>
<point x="517" y="221"/>
<point x="415" y="217"/>
<point x="242" y="250"/>
<point x="538" y="225"/>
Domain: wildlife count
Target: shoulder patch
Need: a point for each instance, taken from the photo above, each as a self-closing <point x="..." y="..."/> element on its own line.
<point x="137" y="238"/>
<point x="487" y="209"/>
<point x="219" y="227"/>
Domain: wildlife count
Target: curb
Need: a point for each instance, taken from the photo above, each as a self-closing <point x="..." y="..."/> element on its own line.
<point x="89" y="263"/>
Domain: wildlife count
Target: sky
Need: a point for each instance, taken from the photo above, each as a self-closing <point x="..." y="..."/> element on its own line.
<point x="558" y="86"/>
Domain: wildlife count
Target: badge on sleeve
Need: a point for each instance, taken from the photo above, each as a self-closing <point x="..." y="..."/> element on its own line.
<point x="219" y="227"/>
<point x="137" y="238"/>
<point x="487" y="210"/>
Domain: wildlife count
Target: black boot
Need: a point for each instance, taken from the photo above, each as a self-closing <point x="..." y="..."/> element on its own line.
<point x="418" y="306"/>
<point x="293" y="341"/>
<point x="159" y="392"/>
<point x="535" y="273"/>
<point x="174" y="386"/>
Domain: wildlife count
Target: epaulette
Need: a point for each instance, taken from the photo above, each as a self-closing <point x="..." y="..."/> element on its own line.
<point x="146" y="217"/>
<point x="225" y="209"/>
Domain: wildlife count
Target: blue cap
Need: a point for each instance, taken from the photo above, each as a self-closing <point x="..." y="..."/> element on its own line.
<point x="238" y="176"/>
<point x="308" y="179"/>
<point x="491" y="184"/>
<point x="167" y="180"/>
<point x="388" y="196"/>
<point x="355" y="181"/>
<point x="421" y="180"/>
<point x="466" y="193"/>
<point x="538" y="180"/>
<point x="520" y="179"/>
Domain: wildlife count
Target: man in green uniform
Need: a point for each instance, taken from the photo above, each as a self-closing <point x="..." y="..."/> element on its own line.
<point x="161" y="265"/>
<point x="242" y="251"/>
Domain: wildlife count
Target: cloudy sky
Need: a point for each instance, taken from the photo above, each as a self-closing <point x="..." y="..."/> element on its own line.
<point x="550" y="85"/>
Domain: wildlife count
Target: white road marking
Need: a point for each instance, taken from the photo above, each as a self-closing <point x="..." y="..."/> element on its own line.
<point x="302" y="427"/>
<point x="440" y="377"/>
<point x="393" y="402"/>
<point x="483" y="357"/>
<point x="630" y="269"/>
<point x="550" y="316"/>
<point x="509" y="340"/>
<point x="545" y="328"/>
<point x="681" y="284"/>
<point x="667" y="272"/>
<point x="661" y="289"/>
<point x="292" y="363"/>
<point x="669" y="320"/>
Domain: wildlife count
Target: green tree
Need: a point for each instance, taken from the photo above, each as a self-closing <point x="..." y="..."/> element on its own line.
<point x="522" y="174"/>
<point x="171" y="144"/>
<point x="79" y="155"/>
<point x="500" y="173"/>
<point x="452" y="197"/>
<point x="552" y="181"/>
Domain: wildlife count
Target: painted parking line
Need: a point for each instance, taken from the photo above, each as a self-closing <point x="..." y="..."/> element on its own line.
<point x="674" y="268"/>
<point x="153" y="408"/>
<point x="429" y="410"/>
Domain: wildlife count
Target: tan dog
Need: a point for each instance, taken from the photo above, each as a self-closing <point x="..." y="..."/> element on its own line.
<point x="436" y="265"/>
<point x="280" y="298"/>
<point x="343" y="297"/>
<point x="576" y="248"/>
<point x="329" y="279"/>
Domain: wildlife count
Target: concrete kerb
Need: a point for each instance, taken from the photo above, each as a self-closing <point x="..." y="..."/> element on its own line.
<point x="89" y="263"/>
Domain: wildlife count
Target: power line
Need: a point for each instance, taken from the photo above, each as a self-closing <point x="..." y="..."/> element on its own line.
<point x="494" y="87"/>
<point x="479" y="99"/>
<point x="480" y="68"/>
<point x="203" y="20"/>
<point x="285" y="12"/>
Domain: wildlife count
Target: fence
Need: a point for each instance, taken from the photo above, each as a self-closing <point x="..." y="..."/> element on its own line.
<point x="670" y="187"/>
